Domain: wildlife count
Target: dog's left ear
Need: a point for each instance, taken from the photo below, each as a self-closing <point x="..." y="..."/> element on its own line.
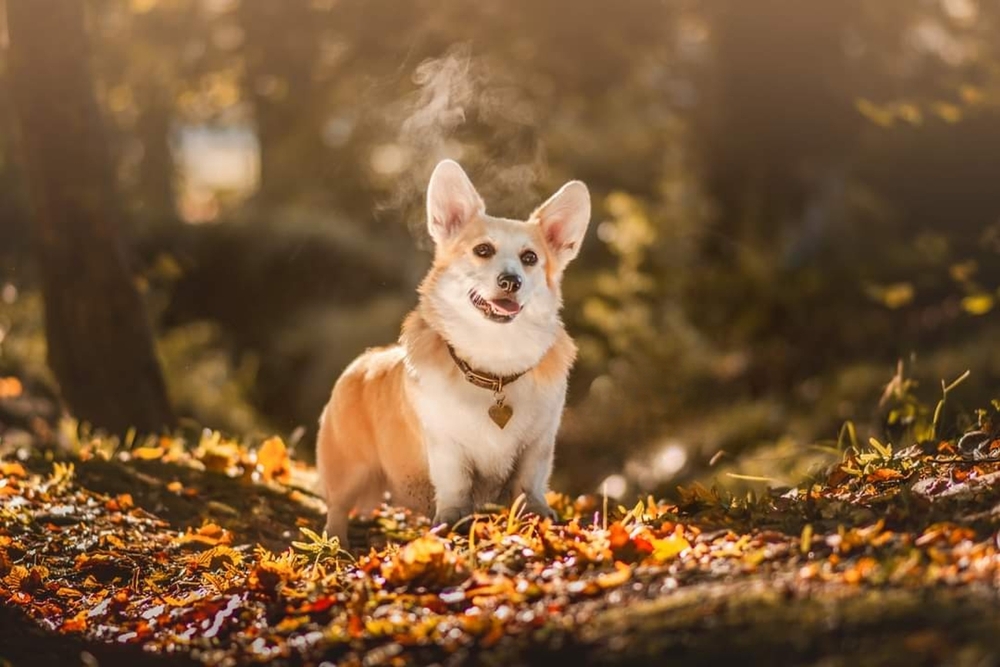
<point x="452" y="201"/>
<point x="564" y="219"/>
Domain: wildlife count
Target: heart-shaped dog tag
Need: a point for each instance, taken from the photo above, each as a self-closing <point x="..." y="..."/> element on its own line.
<point x="501" y="414"/>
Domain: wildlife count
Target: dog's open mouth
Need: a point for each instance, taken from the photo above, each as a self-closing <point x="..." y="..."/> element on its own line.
<point x="497" y="310"/>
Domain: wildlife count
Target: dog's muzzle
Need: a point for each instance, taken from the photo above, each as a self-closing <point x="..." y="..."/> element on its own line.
<point x="497" y="310"/>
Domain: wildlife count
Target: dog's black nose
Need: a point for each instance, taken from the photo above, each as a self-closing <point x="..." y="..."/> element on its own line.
<point x="509" y="282"/>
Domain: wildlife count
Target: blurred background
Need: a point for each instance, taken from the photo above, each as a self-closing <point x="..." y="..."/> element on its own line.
<point x="789" y="199"/>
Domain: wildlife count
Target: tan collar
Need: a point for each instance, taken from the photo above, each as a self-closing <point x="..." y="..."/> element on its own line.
<point x="483" y="379"/>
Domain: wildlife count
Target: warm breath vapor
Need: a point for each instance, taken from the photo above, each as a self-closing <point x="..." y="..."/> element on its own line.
<point x="466" y="109"/>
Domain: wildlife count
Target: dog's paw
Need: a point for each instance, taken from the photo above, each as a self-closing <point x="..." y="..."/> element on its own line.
<point x="451" y="516"/>
<point x="541" y="509"/>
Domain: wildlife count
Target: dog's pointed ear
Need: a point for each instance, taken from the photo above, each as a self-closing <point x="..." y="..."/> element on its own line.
<point x="564" y="219"/>
<point x="452" y="201"/>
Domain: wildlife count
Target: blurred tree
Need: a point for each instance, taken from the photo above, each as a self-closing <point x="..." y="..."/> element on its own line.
<point x="280" y="49"/>
<point x="99" y="339"/>
<point x="14" y="232"/>
<point x="149" y="57"/>
<point x="156" y="170"/>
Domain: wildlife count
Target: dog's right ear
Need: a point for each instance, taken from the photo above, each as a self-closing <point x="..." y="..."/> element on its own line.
<point x="452" y="201"/>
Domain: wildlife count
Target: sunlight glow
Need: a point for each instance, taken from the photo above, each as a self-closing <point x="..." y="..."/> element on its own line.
<point x="389" y="159"/>
<point x="659" y="467"/>
<point x="214" y="161"/>
<point x="614" y="486"/>
<point x="965" y="11"/>
<point x="933" y="37"/>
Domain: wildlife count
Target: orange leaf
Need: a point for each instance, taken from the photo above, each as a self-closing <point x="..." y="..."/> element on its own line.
<point x="209" y="534"/>
<point x="618" y="537"/>
<point x="427" y="560"/>
<point x="121" y="503"/>
<point x="148" y="453"/>
<point x="76" y="624"/>
<point x="218" y="455"/>
<point x="614" y="579"/>
<point x="272" y="460"/>
<point x="112" y="540"/>
<point x="215" y="558"/>
<point x="20" y="597"/>
<point x="643" y="545"/>
<point x="885" y="475"/>
<point x="670" y="547"/>
<point x="12" y="469"/>
<point x="10" y="387"/>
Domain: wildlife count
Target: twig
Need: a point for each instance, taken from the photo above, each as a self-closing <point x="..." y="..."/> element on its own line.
<point x="992" y="459"/>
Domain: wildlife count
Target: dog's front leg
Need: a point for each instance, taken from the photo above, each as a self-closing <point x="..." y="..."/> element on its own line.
<point x="531" y="476"/>
<point x="452" y="479"/>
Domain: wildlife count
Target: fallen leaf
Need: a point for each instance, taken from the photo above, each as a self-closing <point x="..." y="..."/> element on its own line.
<point x="10" y="387"/>
<point x="426" y="561"/>
<point x="148" y="453"/>
<point x="622" y="573"/>
<point x="12" y="469"/>
<point x="670" y="547"/>
<point x="885" y="475"/>
<point x="76" y="624"/>
<point x="272" y="460"/>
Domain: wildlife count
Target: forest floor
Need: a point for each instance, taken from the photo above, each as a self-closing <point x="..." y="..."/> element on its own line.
<point x="198" y="549"/>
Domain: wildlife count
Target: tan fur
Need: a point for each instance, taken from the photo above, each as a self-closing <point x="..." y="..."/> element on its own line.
<point x="369" y="420"/>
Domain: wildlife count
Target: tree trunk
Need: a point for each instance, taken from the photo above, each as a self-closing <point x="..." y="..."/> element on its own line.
<point x="281" y="50"/>
<point x="778" y="110"/>
<point x="156" y="170"/>
<point x="100" y="345"/>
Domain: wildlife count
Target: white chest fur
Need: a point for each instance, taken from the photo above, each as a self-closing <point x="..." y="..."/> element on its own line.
<point x="455" y="418"/>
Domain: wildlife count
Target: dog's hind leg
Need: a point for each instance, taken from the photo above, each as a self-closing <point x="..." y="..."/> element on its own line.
<point x="343" y="476"/>
<point x="351" y="486"/>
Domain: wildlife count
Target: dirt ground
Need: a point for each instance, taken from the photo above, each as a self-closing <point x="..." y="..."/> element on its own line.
<point x="194" y="548"/>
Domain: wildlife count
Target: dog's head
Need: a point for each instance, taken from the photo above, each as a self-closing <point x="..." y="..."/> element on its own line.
<point x="497" y="276"/>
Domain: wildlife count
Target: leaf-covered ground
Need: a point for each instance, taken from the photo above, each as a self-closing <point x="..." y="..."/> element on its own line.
<point x="177" y="551"/>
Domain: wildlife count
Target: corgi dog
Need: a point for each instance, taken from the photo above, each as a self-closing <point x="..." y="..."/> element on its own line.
<point x="463" y="410"/>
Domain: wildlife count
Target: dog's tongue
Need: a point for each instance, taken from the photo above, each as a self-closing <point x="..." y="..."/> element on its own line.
<point x="507" y="306"/>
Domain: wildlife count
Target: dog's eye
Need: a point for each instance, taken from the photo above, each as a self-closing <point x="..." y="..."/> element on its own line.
<point x="484" y="250"/>
<point x="529" y="258"/>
